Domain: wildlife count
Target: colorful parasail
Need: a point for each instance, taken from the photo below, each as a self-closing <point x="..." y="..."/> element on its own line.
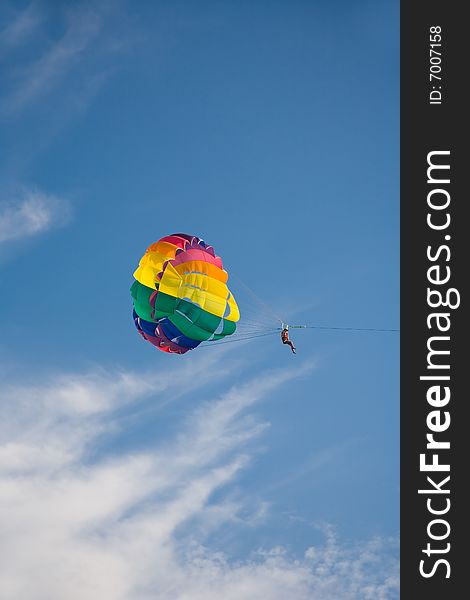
<point x="181" y="296"/>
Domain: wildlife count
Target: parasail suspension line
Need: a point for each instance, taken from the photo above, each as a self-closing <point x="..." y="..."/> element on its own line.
<point x="257" y="298"/>
<point x="344" y="328"/>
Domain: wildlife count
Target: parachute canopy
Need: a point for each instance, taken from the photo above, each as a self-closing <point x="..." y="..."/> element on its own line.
<point x="181" y="296"/>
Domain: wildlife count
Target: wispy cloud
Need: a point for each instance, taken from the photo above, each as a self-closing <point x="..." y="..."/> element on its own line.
<point x="40" y="77"/>
<point x="54" y="62"/>
<point x="64" y="68"/>
<point x="21" y="26"/>
<point x="32" y="213"/>
<point x="318" y="460"/>
<point x="79" y="522"/>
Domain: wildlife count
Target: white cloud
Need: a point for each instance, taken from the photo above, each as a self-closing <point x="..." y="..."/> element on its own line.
<point x="22" y="25"/>
<point x="42" y="75"/>
<point x="33" y="213"/>
<point x="78" y="522"/>
<point x="65" y="68"/>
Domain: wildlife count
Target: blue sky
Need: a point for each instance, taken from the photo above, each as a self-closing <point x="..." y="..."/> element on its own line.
<point x="270" y="129"/>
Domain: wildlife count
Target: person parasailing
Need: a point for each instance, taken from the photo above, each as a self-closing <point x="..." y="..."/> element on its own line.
<point x="285" y="337"/>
